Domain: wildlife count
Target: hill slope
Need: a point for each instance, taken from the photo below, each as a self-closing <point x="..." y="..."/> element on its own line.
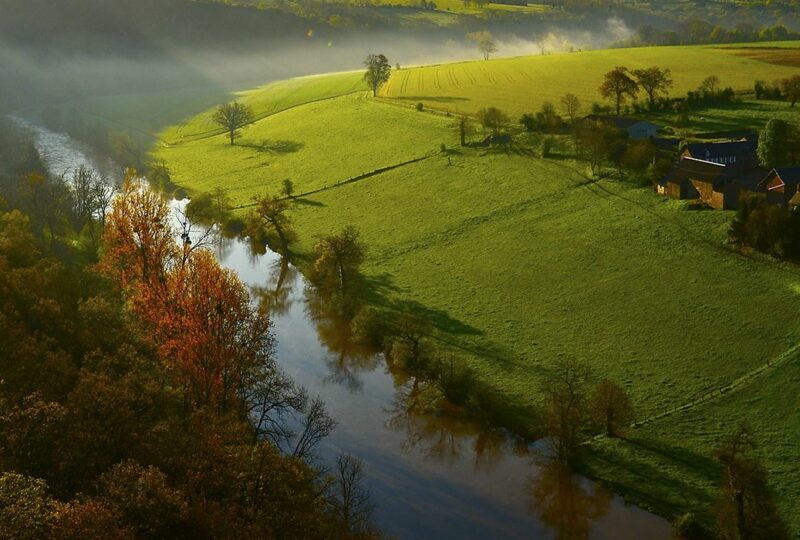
<point x="520" y="260"/>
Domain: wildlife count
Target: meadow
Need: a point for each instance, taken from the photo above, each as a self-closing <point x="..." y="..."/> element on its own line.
<point x="519" y="260"/>
<point x="523" y="84"/>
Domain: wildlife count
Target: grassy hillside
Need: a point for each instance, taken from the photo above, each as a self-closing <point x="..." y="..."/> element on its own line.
<point x="518" y="85"/>
<point x="520" y="260"/>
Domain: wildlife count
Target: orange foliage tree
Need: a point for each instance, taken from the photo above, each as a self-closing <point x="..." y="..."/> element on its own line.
<point x="197" y="314"/>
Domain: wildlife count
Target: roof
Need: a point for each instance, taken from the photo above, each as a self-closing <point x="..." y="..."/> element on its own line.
<point x="698" y="170"/>
<point x="619" y="122"/>
<point x="712" y="151"/>
<point x="788" y="175"/>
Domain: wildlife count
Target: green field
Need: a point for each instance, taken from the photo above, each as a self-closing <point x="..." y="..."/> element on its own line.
<point x="521" y="260"/>
<point x="519" y="85"/>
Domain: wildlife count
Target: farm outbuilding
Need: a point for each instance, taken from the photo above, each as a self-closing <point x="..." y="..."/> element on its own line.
<point x="637" y="130"/>
<point x="781" y="186"/>
<point x="706" y="181"/>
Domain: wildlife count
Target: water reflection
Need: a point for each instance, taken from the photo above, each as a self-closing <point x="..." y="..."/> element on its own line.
<point x="346" y="358"/>
<point x="277" y="298"/>
<point x="565" y="502"/>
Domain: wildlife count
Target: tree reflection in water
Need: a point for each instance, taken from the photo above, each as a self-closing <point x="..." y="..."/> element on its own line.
<point x="418" y="411"/>
<point x="347" y="359"/>
<point x="277" y="299"/>
<point x="565" y="502"/>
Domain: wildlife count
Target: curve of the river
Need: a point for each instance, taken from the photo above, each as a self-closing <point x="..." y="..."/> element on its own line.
<point x="430" y="476"/>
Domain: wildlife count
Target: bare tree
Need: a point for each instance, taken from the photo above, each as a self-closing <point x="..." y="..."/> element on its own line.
<point x="378" y="72"/>
<point x="485" y="42"/>
<point x="233" y="117"/>
<point x="571" y="105"/>
<point x="618" y="85"/>
<point x="350" y="498"/>
<point x="316" y="425"/>
<point x="492" y="118"/>
<point x="566" y="411"/>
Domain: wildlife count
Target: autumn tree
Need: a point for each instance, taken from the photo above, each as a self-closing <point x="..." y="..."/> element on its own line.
<point x="654" y="81"/>
<point x="610" y="408"/>
<point x="618" y="85"/>
<point x="378" y="72"/>
<point x="139" y="241"/>
<point x="232" y="117"/>
<point x="566" y="411"/>
<point x="571" y="105"/>
<point x="485" y="42"/>
<point x="270" y="217"/>
<point x="746" y="508"/>
<point x="790" y="87"/>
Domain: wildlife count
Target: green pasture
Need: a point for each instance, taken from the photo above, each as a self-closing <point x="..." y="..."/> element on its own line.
<point x="519" y="261"/>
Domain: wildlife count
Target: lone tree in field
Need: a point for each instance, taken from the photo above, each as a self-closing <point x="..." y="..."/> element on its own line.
<point x="618" y="85"/>
<point x="492" y="118"/>
<point x="654" y="81"/>
<point x="485" y="42"/>
<point x="610" y="408"/>
<point x="233" y="117"/>
<point x="791" y="89"/>
<point x="270" y="217"/>
<point x="378" y="72"/>
<point x="571" y="105"/>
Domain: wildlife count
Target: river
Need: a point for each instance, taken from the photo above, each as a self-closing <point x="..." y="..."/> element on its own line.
<point x="430" y="476"/>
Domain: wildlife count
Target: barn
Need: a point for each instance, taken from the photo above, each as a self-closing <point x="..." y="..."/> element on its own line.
<point x="781" y="186"/>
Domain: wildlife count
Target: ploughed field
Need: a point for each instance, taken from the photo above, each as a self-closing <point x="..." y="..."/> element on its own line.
<point x="520" y="260"/>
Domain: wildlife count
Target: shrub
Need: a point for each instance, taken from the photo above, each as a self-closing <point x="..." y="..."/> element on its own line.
<point x="420" y="106"/>
<point x="689" y="527"/>
<point x="369" y="327"/>
<point x="547" y="146"/>
<point x="528" y="121"/>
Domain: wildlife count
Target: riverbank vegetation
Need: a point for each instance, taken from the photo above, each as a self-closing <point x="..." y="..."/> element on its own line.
<point x="140" y="397"/>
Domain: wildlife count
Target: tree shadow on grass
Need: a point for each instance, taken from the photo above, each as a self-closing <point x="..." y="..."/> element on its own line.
<point x="275" y="147"/>
<point x="674" y="491"/>
<point x="307" y="202"/>
<point x="381" y="292"/>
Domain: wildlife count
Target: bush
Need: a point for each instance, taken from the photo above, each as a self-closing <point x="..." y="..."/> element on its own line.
<point x="455" y="381"/>
<point x="528" y="121"/>
<point x="689" y="527"/>
<point x="420" y="107"/>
